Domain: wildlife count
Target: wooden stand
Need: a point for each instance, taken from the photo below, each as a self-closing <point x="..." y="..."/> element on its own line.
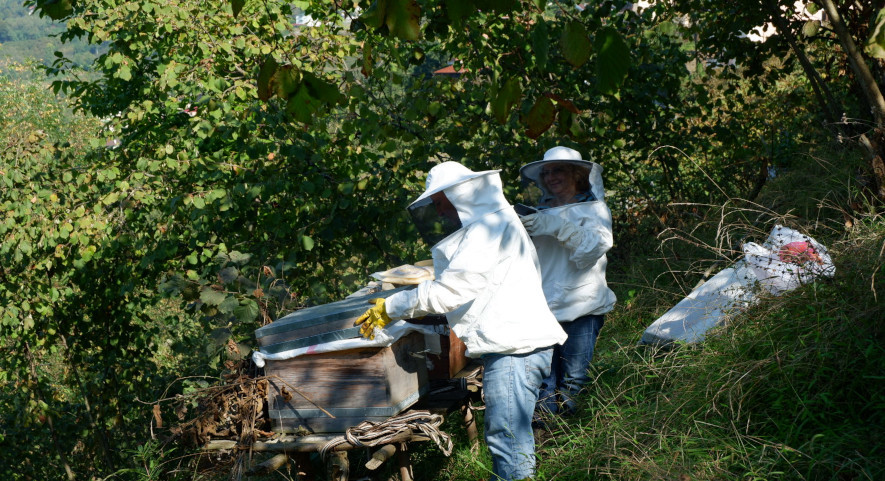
<point x="455" y="395"/>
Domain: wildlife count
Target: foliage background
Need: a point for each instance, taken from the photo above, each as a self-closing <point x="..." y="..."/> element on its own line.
<point x="218" y="165"/>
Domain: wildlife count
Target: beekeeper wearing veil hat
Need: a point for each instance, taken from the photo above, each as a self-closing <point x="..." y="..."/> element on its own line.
<point x="487" y="283"/>
<point x="572" y="231"/>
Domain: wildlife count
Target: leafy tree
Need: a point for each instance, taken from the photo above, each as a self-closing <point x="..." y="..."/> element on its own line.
<point x="264" y="166"/>
<point x="825" y="50"/>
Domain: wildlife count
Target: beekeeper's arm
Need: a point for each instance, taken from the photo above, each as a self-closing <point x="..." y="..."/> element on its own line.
<point x="465" y="278"/>
<point x="586" y="241"/>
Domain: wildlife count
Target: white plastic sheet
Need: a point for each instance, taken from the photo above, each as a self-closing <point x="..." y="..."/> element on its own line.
<point x="785" y="261"/>
<point x="383" y="338"/>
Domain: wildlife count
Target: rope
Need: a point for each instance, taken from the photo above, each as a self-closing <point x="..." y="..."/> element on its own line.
<point x="369" y="434"/>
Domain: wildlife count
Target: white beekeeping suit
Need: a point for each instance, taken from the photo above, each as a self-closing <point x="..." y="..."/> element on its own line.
<point x="575" y="238"/>
<point x="487" y="280"/>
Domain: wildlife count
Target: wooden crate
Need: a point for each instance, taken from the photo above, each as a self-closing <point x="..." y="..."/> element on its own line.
<point x="356" y="385"/>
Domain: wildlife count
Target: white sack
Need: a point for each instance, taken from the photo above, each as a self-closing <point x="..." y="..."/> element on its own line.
<point x="786" y="260"/>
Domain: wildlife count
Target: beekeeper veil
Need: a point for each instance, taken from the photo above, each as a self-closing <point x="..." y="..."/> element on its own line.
<point x="564" y="161"/>
<point x="441" y="210"/>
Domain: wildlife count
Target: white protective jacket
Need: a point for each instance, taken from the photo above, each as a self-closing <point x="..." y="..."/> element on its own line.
<point x="487" y="277"/>
<point x="572" y="255"/>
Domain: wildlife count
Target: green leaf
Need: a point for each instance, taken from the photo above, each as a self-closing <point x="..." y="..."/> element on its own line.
<point x="55" y="9"/>
<point x="287" y="79"/>
<point x="265" y="77"/>
<point x="238" y="257"/>
<point x="228" y="274"/>
<point x="540" y="117"/>
<point x="307" y="243"/>
<point x="458" y="10"/>
<point x="247" y="311"/>
<point x="375" y="14"/>
<point x="110" y="198"/>
<point x="875" y="45"/>
<point x="302" y="106"/>
<point x="575" y="44"/>
<point x="124" y="73"/>
<point x="810" y="28"/>
<point x="613" y="60"/>
<point x="403" y="19"/>
<point x="667" y="28"/>
<point x="211" y="296"/>
<point x="507" y="96"/>
<point x="237" y="6"/>
<point x="229" y="304"/>
<point x="497" y="6"/>
<point x="320" y="89"/>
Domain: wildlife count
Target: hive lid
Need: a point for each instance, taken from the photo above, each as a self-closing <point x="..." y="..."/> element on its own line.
<point x="317" y="324"/>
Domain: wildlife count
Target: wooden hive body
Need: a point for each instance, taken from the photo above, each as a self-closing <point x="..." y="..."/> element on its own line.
<point x="356" y="385"/>
<point x="353" y="385"/>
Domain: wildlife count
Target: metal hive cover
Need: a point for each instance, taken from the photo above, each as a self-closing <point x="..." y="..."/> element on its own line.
<point x="317" y="324"/>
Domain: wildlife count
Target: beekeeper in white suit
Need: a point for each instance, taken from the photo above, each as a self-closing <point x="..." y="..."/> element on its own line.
<point x="572" y="231"/>
<point x="488" y="284"/>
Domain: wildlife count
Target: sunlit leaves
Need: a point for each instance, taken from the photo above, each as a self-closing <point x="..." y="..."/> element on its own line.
<point x="810" y="28"/>
<point x="613" y="60"/>
<point x="575" y="43"/>
<point x="307" y="242"/>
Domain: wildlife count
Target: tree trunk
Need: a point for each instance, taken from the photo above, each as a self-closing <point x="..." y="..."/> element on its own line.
<point x="857" y="63"/>
<point x="875" y="144"/>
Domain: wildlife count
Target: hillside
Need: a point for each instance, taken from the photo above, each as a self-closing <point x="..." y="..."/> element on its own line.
<point x="789" y="390"/>
<point x="26" y="37"/>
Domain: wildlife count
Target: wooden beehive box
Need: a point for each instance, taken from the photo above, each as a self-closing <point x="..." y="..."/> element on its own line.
<point x="330" y="392"/>
<point x="356" y="385"/>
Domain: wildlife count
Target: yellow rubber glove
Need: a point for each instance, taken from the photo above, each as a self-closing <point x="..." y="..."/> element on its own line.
<point x="376" y="316"/>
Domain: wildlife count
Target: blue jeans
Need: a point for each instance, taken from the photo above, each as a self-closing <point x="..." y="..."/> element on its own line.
<point x="568" y="373"/>
<point x="510" y="390"/>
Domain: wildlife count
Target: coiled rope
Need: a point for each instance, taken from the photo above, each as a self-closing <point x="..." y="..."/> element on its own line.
<point x="369" y="434"/>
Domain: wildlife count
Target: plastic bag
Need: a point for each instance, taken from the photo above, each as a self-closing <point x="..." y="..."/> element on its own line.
<point x="786" y="260"/>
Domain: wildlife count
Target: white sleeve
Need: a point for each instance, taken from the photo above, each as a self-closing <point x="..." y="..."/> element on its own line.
<point x="587" y="242"/>
<point x="463" y="280"/>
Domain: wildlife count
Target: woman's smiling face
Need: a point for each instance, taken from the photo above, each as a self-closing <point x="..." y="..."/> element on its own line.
<point x="557" y="179"/>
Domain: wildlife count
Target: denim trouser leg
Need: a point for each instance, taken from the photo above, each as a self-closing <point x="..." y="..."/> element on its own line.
<point x="568" y="374"/>
<point x="510" y="388"/>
